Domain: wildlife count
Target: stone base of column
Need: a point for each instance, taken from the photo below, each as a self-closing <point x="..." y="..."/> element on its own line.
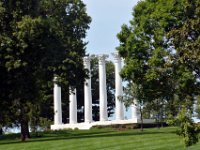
<point x="87" y="126"/>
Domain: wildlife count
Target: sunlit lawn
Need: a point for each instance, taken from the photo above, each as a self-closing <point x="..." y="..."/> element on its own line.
<point x="94" y="139"/>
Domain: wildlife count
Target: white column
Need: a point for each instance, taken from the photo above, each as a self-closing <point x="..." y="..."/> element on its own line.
<point x="119" y="106"/>
<point x="87" y="93"/>
<point x="57" y="103"/>
<point x="134" y="108"/>
<point x="72" y="107"/>
<point x="102" y="88"/>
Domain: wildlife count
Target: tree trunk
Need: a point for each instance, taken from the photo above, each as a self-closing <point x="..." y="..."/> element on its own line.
<point x="1" y="131"/>
<point x="158" y="120"/>
<point x="141" y="118"/>
<point x="158" y="113"/>
<point x="24" y="130"/>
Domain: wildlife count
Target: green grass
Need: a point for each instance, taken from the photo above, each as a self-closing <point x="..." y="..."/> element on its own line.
<point x="100" y="139"/>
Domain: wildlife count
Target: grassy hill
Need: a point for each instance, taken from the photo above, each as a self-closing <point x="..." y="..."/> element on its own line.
<point x="100" y="139"/>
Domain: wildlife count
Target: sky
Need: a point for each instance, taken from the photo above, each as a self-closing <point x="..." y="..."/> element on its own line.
<point x="107" y="18"/>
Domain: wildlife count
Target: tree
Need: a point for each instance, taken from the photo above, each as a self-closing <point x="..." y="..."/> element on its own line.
<point x="151" y="55"/>
<point x="40" y="39"/>
<point x="146" y="51"/>
<point x="133" y="94"/>
<point x="188" y="130"/>
<point x="161" y="52"/>
<point x="185" y="38"/>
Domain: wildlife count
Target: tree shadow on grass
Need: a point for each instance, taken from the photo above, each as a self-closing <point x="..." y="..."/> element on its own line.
<point x="67" y="135"/>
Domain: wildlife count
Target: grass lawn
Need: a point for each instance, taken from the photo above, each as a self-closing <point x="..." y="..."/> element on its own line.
<point x="100" y="139"/>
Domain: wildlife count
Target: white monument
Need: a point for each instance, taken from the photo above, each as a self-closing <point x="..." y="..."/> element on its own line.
<point x="88" y="123"/>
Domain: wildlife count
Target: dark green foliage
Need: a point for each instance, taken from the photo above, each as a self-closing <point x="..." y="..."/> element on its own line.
<point x="39" y="39"/>
<point x="187" y="128"/>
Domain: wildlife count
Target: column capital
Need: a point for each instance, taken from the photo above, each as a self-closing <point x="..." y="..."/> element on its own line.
<point x="72" y="90"/>
<point x="102" y="58"/>
<point x="86" y="59"/>
<point x="116" y="56"/>
<point x="55" y="79"/>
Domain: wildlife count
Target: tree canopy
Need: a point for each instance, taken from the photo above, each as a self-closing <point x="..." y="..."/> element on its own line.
<point x="154" y="54"/>
<point x="39" y="39"/>
<point x="161" y="51"/>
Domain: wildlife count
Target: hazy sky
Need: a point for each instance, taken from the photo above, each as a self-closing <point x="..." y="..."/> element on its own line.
<point x="107" y="19"/>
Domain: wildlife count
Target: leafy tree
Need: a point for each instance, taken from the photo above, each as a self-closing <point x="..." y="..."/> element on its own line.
<point x="188" y="129"/>
<point x="145" y="48"/>
<point x="133" y="94"/>
<point x="161" y="50"/>
<point x="150" y="58"/>
<point x="185" y="38"/>
<point x="40" y="39"/>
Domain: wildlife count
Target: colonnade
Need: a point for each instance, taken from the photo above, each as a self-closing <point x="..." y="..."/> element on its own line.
<point x="119" y="106"/>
